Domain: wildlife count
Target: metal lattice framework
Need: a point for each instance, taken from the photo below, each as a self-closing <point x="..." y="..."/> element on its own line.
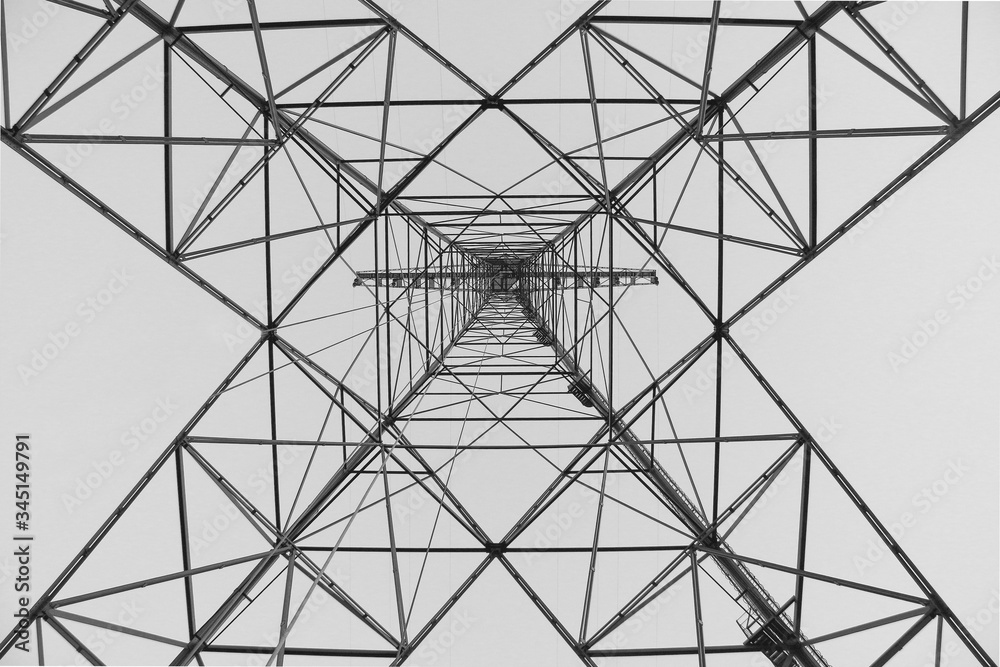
<point x="502" y="332"/>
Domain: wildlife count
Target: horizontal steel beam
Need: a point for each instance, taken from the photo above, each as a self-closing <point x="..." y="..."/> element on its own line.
<point x="283" y="25"/>
<point x="854" y="133"/>
<point x="139" y="139"/>
<point x="693" y="20"/>
<point x="497" y="103"/>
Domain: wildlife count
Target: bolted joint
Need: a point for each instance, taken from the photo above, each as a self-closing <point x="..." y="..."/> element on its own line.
<point x="496" y="549"/>
<point x="711" y="540"/>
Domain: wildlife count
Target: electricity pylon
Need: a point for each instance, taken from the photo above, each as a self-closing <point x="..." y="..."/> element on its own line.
<point x="475" y="385"/>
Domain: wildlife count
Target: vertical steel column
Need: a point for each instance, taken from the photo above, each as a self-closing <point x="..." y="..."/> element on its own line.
<point x="272" y="398"/>
<point x="719" y="333"/>
<point x="813" y="147"/>
<point x="168" y="179"/>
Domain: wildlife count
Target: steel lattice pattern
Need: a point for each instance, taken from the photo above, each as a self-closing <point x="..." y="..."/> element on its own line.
<point x="498" y="324"/>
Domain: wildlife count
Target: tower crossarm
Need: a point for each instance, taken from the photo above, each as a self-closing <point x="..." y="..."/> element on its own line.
<point x="503" y="279"/>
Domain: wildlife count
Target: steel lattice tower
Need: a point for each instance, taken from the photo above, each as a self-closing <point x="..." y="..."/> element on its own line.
<point x="491" y="350"/>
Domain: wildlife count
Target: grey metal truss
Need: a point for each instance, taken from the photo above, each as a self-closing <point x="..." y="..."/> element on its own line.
<point x="498" y="309"/>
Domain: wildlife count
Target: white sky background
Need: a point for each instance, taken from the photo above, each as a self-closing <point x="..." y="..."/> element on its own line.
<point x="897" y="431"/>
